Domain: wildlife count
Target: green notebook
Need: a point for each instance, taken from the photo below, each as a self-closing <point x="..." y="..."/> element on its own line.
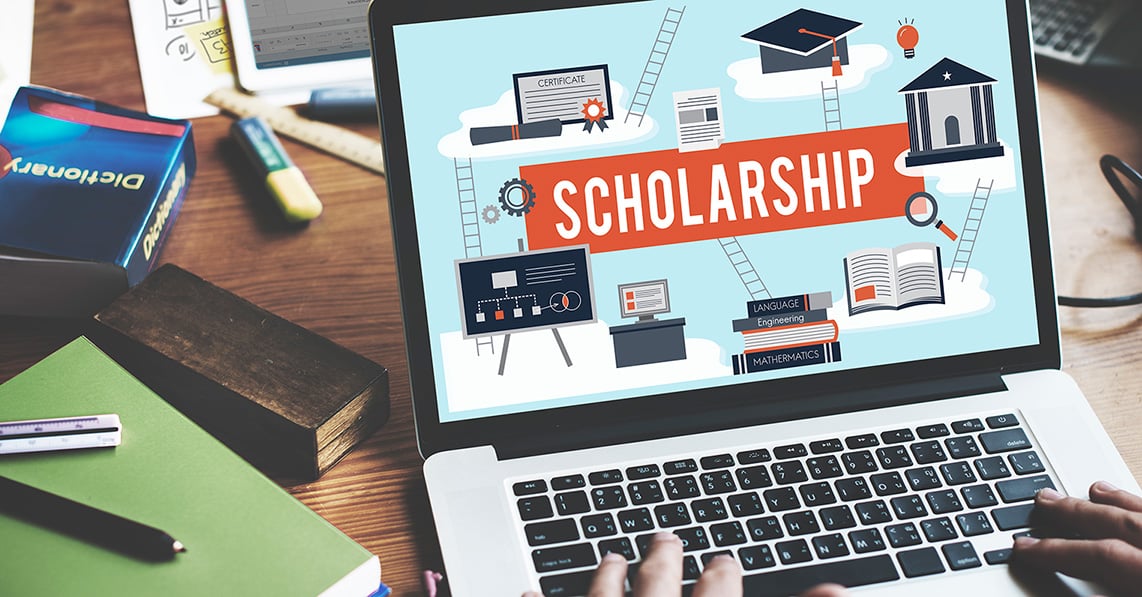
<point x="244" y="535"/>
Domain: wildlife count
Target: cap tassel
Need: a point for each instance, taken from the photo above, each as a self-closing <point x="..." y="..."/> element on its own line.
<point x="837" y="66"/>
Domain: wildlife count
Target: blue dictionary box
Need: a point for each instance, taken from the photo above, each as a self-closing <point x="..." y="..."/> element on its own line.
<point x="88" y="195"/>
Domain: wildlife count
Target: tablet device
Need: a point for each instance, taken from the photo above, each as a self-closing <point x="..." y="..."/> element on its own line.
<point x="299" y="44"/>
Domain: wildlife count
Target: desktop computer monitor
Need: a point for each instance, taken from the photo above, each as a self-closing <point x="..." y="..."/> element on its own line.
<point x="644" y="299"/>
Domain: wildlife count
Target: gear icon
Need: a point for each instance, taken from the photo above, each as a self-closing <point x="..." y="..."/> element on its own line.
<point x="491" y="214"/>
<point x="517" y="196"/>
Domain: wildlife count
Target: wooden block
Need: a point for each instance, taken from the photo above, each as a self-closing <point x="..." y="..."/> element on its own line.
<point x="288" y="400"/>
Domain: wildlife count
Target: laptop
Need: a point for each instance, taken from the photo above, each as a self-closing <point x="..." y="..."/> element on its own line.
<point x="773" y="276"/>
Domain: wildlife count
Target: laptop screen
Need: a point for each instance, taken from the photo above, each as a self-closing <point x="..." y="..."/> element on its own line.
<point x="649" y="198"/>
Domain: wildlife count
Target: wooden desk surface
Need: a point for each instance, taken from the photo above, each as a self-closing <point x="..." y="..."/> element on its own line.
<point x="337" y="276"/>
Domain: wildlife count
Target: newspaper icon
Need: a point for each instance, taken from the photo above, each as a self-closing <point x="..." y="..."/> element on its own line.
<point x="698" y="114"/>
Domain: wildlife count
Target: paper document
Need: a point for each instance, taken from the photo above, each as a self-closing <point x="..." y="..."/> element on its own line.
<point x="15" y="50"/>
<point x="698" y="115"/>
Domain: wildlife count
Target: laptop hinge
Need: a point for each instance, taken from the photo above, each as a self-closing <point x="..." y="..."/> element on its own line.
<point x="560" y="438"/>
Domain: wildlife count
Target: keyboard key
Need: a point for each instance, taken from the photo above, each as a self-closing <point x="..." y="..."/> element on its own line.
<point x="643" y="543"/>
<point x="646" y="492"/>
<point x="930" y="431"/>
<point x="608" y="498"/>
<point x="680" y="488"/>
<point x="745" y="504"/>
<point x="817" y="494"/>
<point x="908" y="506"/>
<point x="856" y="442"/>
<point x="1001" y="421"/>
<point x="891" y="457"/>
<point x="727" y="533"/>
<point x="754" y="456"/>
<point x="992" y="468"/>
<point x="998" y="556"/>
<point x="781" y="499"/>
<point x="598" y="525"/>
<point x="826" y="446"/>
<point x="756" y="557"/>
<point x="1026" y="463"/>
<point x="789" y="472"/>
<point x="792" y="581"/>
<point x="567" y="585"/>
<point x="961" y="556"/>
<point x="978" y="496"/>
<point x="530" y="487"/>
<point x="606" y="477"/>
<point x="801" y="523"/>
<point x="825" y="467"/>
<point x="874" y="512"/>
<point x="866" y="540"/>
<point x="837" y="517"/>
<point x="574" y="502"/>
<point x="646" y="471"/>
<point x="852" y="489"/>
<point x="1013" y="517"/>
<point x="564" y="557"/>
<point x="793" y="552"/>
<point x="693" y="539"/>
<point x="830" y="546"/>
<point x="754" y="477"/>
<point x="535" y="508"/>
<point x="902" y="535"/>
<point x="554" y="531"/>
<point x="957" y="473"/>
<point x="920" y="562"/>
<point x="765" y="528"/>
<point x="974" y="523"/>
<point x="790" y="451"/>
<point x="921" y="479"/>
<point x="718" y="482"/>
<point x="928" y="452"/>
<point x="888" y="484"/>
<point x="1007" y="440"/>
<point x="709" y="509"/>
<point x="633" y="521"/>
<point x="967" y="426"/>
<point x="961" y="447"/>
<point x="858" y="463"/>
<point x="938" y="529"/>
<point x="678" y="467"/>
<point x="709" y="555"/>
<point x="568" y="482"/>
<point x="690" y="569"/>
<point x="717" y="462"/>
<point x="672" y="515"/>
<point x="942" y="502"/>
<point x="1024" y="488"/>
<point x="897" y="436"/>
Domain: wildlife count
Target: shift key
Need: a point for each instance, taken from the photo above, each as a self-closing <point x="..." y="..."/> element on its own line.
<point x="1023" y="488"/>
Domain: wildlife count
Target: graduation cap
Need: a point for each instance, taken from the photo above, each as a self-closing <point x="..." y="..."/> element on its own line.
<point x="803" y="39"/>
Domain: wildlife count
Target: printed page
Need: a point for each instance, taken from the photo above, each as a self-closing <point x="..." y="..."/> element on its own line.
<point x="918" y="274"/>
<point x="871" y="280"/>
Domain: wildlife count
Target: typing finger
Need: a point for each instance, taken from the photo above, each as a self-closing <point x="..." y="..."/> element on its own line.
<point x="721" y="578"/>
<point x="826" y="590"/>
<point x="610" y="578"/>
<point x="1105" y="493"/>
<point x="660" y="574"/>
<point x="1087" y="519"/>
<point x="1112" y="562"/>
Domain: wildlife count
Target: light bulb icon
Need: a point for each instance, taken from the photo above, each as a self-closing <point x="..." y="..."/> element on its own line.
<point x="907" y="36"/>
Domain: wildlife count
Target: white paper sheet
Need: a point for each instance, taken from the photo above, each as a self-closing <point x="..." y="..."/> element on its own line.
<point x="15" y="50"/>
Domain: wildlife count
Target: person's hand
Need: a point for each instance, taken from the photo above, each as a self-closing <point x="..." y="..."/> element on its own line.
<point x="1109" y="544"/>
<point x="660" y="575"/>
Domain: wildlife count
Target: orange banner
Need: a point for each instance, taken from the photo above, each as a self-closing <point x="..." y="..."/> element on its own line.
<point x="741" y="188"/>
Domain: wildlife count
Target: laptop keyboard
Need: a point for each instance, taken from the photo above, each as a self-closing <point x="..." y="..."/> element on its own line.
<point x="935" y="498"/>
<point x="1069" y="30"/>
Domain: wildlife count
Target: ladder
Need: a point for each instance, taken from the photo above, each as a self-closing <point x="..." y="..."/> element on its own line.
<point x="654" y="64"/>
<point x="831" y="102"/>
<point x="744" y="268"/>
<point x="971" y="229"/>
<point x="470" y="224"/>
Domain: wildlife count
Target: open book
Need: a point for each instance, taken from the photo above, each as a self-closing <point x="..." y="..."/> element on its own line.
<point x="893" y="278"/>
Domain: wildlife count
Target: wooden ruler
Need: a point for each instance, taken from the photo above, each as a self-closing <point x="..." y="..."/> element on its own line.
<point x="332" y="139"/>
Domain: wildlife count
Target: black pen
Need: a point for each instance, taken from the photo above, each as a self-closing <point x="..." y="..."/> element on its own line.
<point x="84" y="522"/>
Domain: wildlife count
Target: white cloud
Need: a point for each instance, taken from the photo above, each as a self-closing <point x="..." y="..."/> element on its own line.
<point x="959" y="178"/>
<point x="535" y="370"/>
<point x="752" y="84"/>
<point x="457" y="144"/>
<point x="961" y="298"/>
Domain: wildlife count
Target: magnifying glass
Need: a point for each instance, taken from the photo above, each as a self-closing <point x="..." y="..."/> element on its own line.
<point x="921" y="210"/>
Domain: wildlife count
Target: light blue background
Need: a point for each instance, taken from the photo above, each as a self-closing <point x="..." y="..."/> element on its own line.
<point x="448" y="67"/>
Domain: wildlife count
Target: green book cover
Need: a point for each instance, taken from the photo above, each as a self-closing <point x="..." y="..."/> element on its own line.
<point x="244" y="535"/>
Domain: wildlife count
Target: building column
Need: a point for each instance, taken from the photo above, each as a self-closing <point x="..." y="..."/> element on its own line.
<point x="925" y="123"/>
<point x="913" y="126"/>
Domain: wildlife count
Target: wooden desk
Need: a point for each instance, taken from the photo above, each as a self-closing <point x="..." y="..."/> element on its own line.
<point x="337" y="276"/>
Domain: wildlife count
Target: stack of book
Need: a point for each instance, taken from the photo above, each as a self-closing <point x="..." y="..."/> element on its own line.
<point x="790" y="331"/>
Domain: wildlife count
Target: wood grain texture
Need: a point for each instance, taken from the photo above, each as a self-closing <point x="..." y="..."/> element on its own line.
<point x="337" y="278"/>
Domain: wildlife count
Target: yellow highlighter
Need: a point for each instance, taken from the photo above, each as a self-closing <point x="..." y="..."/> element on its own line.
<point x="285" y="182"/>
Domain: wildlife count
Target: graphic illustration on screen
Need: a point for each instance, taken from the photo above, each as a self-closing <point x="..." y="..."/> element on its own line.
<point x="804" y="39"/>
<point x="565" y="94"/>
<point x="648" y="340"/>
<point x="895" y="278"/>
<point x="907" y="37"/>
<point x="788" y="331"/>
<point x="698" y="115"/>
<point x="951" y="115"/>
<point x="921" y="210"/>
